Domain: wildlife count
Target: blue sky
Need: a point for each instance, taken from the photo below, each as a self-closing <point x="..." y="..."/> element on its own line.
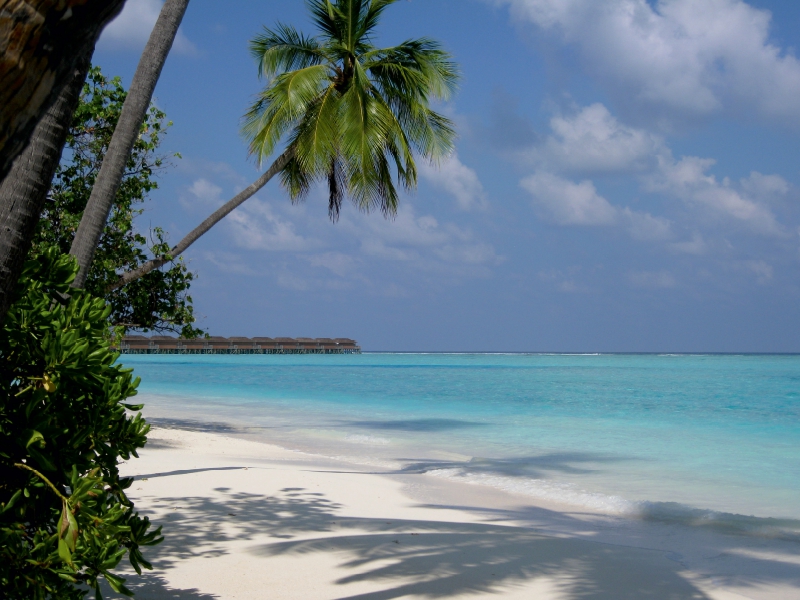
<point x="626" y="179"/>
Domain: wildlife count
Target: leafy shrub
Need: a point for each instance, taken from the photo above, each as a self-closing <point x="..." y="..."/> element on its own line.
<point x="159" y="301"/>
<point x="65" y="520"/>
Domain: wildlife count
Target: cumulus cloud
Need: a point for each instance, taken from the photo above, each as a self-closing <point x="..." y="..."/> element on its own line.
<point x="681" y="58"/>
<point x="645" y="227"/>
<point x="697" y="245"/>
<point x="356" y="249"/>
<point x="256" y="226"/>
<point x="457" y="179"/>
<point x="765" y="186"/>
<point x="761" y="269"/>
<point x="569" y="203"/>
<point x="422" y="239"/>
<point x="593" y="141"/>
<point x="688" y="179"/>
<point x="131" y="29"/>
<point x="202" y="193"/>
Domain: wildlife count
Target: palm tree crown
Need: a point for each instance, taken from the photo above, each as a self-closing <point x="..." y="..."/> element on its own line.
<point x="355" y="114"/>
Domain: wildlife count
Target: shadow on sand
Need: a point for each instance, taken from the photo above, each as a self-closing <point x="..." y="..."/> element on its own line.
<point x="430" y="559"/>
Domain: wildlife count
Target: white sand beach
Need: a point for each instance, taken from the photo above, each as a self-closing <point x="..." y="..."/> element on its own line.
<point x="245" y="519"/>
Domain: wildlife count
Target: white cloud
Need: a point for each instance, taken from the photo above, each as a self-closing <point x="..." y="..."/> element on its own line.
<point x="256" y="226"/>
<point x="645" y="227"/>
<point x="203" y="193"/>
<point x="688" y="179"/>
<point x="337" y="262"/>
<point x="406" y="229"/>
<point x="761" y="269"/>
<point x="593" y="141"/>
<point x="652" y="280"/>
<point x="229" y="262"/>
<point x="457" y="179"/>
<point x="422" y="239"/>
<point x="131" y="29"/>
<point x="697" y="245"/>
<point x="765" y="186"/>
<point x="683" y="58"/>
<point x="418" y="243"/>
<point x="293" y="282"/>
<point x="569" y="203"/>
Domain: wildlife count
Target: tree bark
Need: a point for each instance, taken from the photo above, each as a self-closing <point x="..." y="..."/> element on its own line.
<point x="24" y="191"/>
<point x="130" y="122"/>
<point x="212" y="220"/>
<point x="40" y="41"/>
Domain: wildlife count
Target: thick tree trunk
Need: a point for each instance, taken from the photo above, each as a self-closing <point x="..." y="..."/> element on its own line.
<point x="212" y="220"/>
<point x="24" y="191"/>
<point x="130" y="122"/>
<point x="40" y="41"/>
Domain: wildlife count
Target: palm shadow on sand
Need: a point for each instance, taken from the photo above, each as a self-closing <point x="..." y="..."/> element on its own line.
<point x="432" y="559"/>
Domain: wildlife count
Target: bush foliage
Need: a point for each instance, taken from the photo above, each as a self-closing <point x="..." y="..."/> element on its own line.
<point x="159" y="301"/>
<point x="65" y="424"/>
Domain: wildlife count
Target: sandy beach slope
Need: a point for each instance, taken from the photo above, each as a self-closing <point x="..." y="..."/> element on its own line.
<point x="244" y="519"/>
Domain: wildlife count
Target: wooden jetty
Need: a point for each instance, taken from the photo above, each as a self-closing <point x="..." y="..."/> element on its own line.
<point x="164" y="344"/>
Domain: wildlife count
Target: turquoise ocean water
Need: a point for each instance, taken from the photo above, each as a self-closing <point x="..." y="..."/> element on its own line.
<point x="691" y="436"/>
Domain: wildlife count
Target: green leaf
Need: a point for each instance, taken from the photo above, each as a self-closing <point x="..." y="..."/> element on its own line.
<point x="64" y="552"/>
<point x="117" y="584"/>
<point x="34" y="437"/>
<point x="8" y="505"/>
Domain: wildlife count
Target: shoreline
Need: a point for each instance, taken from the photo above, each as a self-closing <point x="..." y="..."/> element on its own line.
<point x="248" y="519"/>
<point x="572" y="481"/>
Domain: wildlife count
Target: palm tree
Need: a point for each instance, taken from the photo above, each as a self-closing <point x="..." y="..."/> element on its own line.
<point x="45" y="49"/>
<point x="128" y="128"/>
<point x="351" y="115"/>
<point x="24" y="192"/>
<point x="39" y="46"/>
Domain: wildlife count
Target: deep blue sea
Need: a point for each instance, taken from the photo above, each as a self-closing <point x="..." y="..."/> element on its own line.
<point x="692" y="435"/>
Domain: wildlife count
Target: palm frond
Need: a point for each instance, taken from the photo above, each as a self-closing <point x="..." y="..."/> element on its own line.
<point x="355" y="116"/>
<point x="284" y="49"/>
<point x="372" y="15"/>
<point x="419" y="66"/>
<point x="352" y="14"/>
<point x="365" y="131"/>
<point x="296" y="180"/>
<point x="432" y="134"/>
<point x="397" y="145"/>
<point x="323" y="15"/>
<point x="281" y="105"/>
<point x="317" y="135"/>
<point x="364" y="126"/>
<point x="337" y="186"/>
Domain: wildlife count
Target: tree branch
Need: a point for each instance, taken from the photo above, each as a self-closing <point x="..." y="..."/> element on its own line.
<point x="43" y="478"/>
<point x="212" y="220"/>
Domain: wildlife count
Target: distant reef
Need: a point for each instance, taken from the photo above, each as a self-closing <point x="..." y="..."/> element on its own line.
<point x="163" y="344"/>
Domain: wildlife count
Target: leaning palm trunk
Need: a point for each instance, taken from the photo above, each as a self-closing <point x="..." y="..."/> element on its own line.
<point x="353" y="114"/>
<point x="40" y="41"/>
<point x="212" y="220"/>
<point x="24" y="191"/>
<point x="130" y="122"/>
